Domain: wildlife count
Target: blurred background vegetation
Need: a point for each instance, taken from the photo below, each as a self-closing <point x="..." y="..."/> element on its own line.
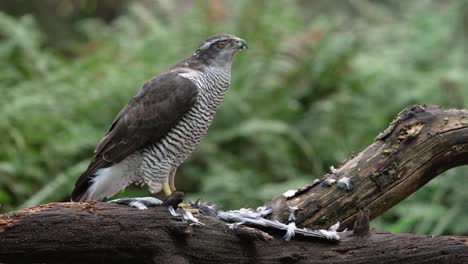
<point x="321" y="79"/>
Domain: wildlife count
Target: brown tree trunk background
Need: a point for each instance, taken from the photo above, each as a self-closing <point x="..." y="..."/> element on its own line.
<point x="421" y="143"/>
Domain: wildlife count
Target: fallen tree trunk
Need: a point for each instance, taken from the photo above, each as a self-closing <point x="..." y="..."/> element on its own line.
<point x="107" y="233"/>
<point x="420" y="144"/>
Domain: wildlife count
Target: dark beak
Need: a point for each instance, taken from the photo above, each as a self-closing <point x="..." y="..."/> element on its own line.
<point x="242" y="44"/>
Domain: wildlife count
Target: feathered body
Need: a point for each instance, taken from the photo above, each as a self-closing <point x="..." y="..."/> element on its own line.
<point x="162" y="125"/>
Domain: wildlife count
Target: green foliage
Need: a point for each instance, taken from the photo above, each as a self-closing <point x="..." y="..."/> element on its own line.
<point x="310" y="91"/>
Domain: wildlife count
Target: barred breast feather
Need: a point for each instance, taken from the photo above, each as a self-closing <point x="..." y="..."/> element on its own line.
<point x="190" y="103"/>
<point x="163" y="157"/>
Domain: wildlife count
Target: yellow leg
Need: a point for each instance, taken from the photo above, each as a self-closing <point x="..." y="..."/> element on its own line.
<point x="167" y="189"/>
<point x="173" y="187"/>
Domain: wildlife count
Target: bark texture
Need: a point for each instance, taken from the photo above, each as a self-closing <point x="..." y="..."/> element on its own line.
<point x="107" y="233"/>
<point x="421" y="143"/>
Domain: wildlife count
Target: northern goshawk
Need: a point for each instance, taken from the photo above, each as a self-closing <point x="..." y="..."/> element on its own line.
<point x="162" y="124"/>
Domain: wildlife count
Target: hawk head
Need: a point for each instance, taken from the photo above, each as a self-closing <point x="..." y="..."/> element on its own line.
<point x="219" y="49"/>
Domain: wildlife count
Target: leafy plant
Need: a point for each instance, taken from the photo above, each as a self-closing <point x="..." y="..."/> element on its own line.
<point x="311" y="90"/>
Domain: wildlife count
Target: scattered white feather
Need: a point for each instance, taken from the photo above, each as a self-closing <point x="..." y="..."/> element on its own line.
<point x="138" y="202"/>
<point x="249" y="213"/>
<point x="334" y="227"/>
<point x="233" y="226"/>
<point x="330" y="234"/>
<point x="292" y="216"/>
<point x="150" y="200"/>
<point x="264" y="210"/>
<point x="138" y="205"/>
<point x="333" y="170"/>
<point x="248" y="217"/>
<point x="328" y="182"/>
<point x="199" y="203"/>
<point x="172" y="211"/>
<point x="290" y="232"/>
<point x="188" y="216"/>
<point x="345" y="183"/>
<point x="289" y="193"/>
<point x="316" y="181"/>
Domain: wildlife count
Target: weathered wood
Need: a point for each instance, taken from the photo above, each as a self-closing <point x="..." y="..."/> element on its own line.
<point x="423" y="142"/>
<point x="108" y="233"/>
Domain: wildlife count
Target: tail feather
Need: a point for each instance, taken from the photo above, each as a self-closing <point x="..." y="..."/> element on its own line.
<point x="82" y="186"/>
<point x="85" y="181"/>
<point x="96" y="185"/>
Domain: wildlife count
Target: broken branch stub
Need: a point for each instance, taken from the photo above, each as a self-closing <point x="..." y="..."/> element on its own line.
<point x="421" y="143"/>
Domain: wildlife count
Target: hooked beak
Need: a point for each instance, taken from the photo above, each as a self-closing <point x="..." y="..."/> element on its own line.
<point x="241" y="44"/>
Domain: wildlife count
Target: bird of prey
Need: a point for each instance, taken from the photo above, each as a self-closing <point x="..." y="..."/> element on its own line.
<point x="162" y="124"/>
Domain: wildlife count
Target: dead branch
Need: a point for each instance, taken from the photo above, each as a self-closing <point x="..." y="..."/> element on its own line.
<point x="421" y="143"/>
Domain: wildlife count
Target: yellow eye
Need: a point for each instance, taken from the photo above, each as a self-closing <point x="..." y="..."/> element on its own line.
<point x="221" y="45"/>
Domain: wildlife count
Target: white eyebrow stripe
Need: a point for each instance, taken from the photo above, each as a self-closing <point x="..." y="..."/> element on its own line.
<point x="209" y="43"/>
